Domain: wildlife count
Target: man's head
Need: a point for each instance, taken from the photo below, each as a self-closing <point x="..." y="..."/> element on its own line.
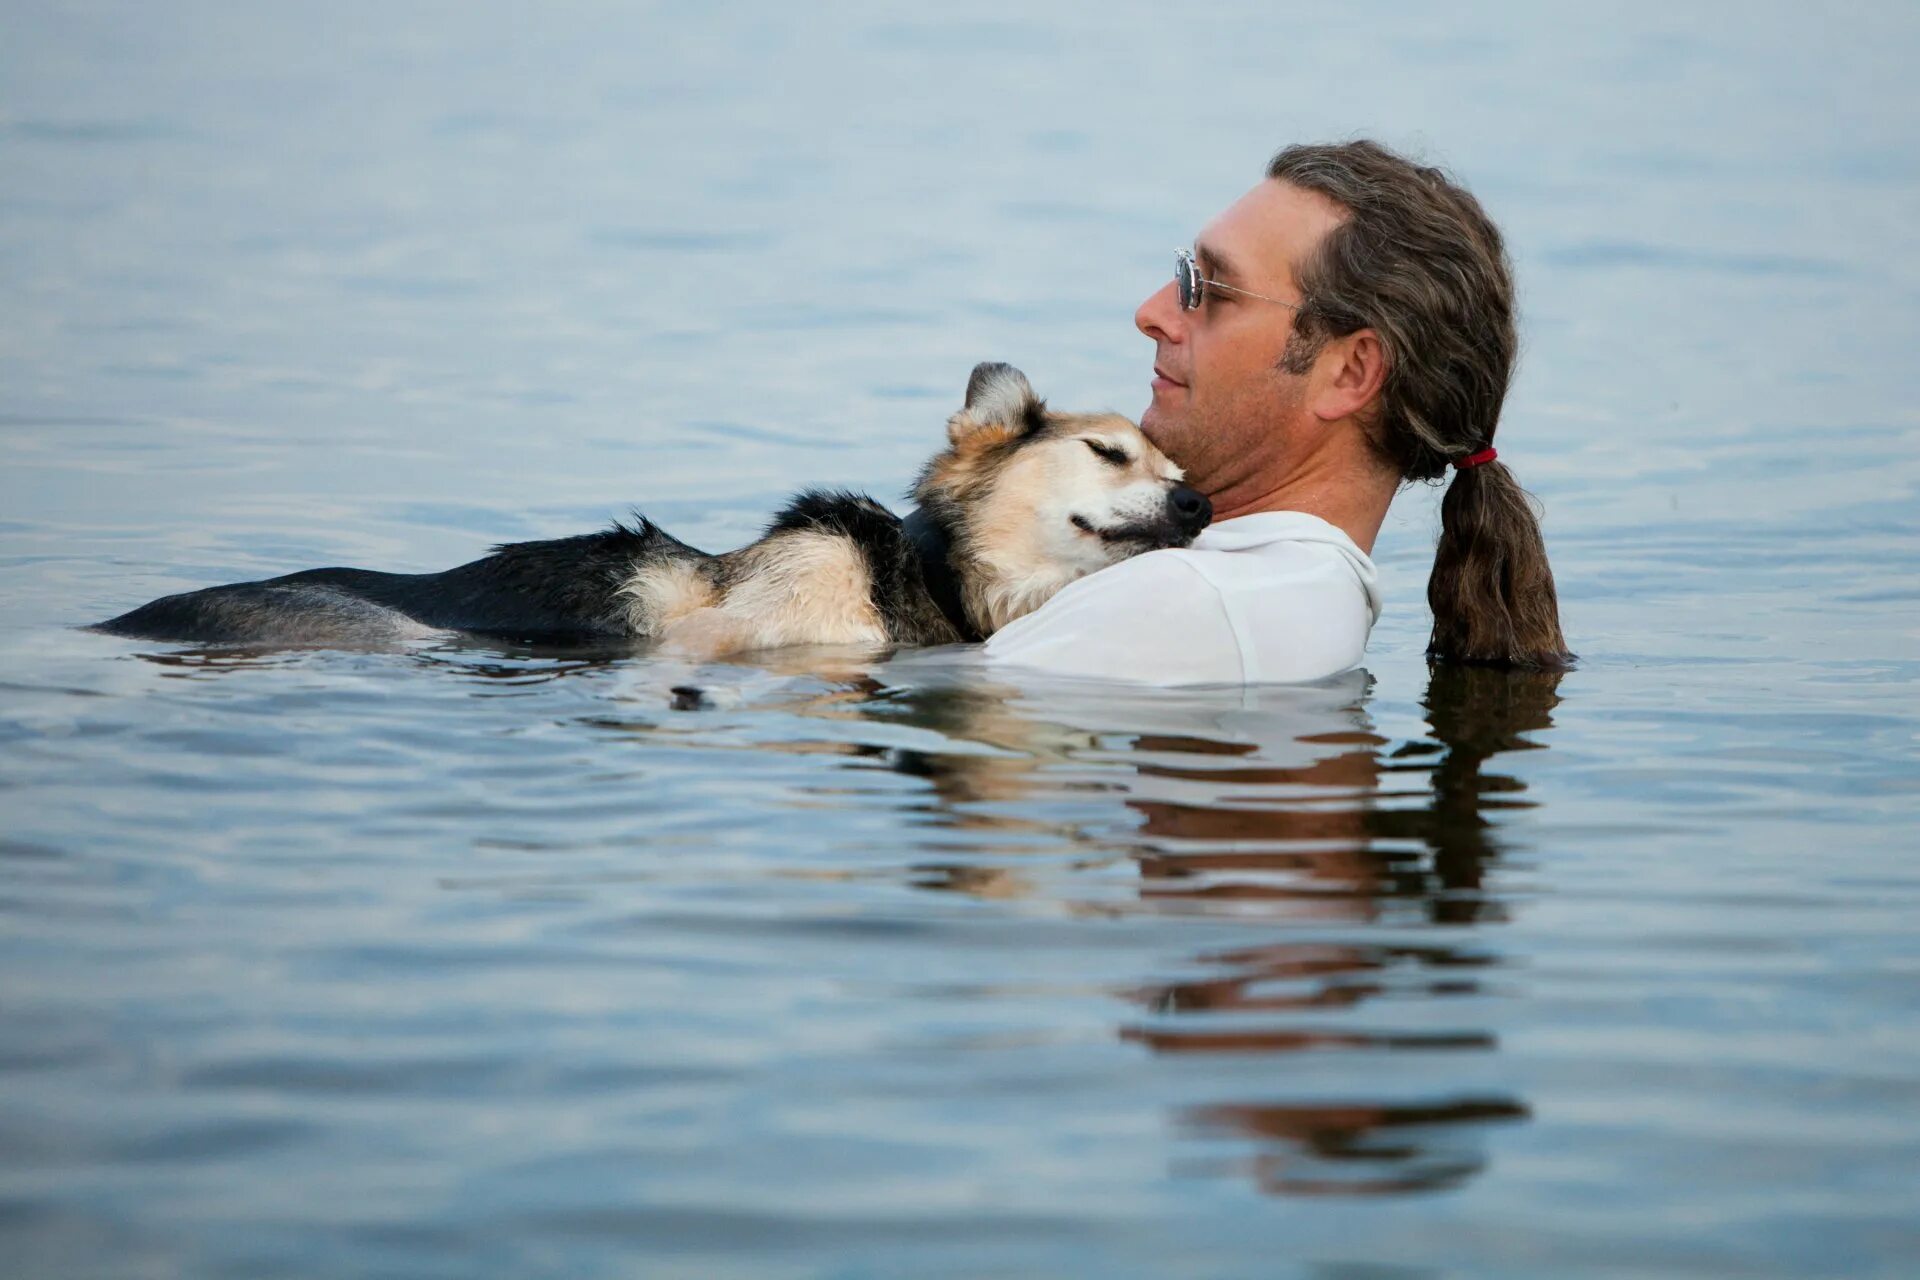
<point x="1379" y="350"/>
<point x="1385" y="336"/>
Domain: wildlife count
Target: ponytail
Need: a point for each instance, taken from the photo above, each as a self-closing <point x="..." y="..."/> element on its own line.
<point x="1418" y="261"/>
<point x="1492" y="590"/>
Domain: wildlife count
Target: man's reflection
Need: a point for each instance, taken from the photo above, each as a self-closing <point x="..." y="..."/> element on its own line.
<point x="1285" y="807"/>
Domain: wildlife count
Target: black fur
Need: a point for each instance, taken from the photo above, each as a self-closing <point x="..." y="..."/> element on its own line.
<point x="1033" y="418"/>
<point x="562" y="589"/>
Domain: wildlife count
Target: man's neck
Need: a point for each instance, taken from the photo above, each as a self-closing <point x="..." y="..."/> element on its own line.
<point x="1352" y="497"/>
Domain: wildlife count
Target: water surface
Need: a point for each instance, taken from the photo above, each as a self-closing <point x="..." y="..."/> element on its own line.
<point x="467" y="960"/>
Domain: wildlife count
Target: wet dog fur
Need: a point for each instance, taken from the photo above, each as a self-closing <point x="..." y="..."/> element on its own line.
<point x="1022" y="501"/>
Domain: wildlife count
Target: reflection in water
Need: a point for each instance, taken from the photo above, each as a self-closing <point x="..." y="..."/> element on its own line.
<point x="1357" y="1149"/>
<point x="1279" y="811"/>
<point x="1279" y="807"/>
<point x="481" y="660"/>
<point x="1348" y="843"/>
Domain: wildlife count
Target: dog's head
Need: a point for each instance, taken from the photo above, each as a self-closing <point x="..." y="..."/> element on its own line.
<point x="1035" y="499"/>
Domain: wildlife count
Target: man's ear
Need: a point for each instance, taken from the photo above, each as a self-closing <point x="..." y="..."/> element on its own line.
<point x="1348" y="375"/>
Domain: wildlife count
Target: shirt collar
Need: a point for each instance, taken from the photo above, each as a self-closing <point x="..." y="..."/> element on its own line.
<point x="1262" y="527"/>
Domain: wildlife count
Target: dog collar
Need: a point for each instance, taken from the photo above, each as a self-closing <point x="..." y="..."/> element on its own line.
<point x="928" y="538"/>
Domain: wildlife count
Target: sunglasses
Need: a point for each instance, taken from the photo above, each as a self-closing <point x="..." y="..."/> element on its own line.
<point x="1194" y="286"/>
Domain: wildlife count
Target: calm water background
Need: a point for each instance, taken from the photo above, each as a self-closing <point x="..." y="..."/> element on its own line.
<point x="470" y="961"/>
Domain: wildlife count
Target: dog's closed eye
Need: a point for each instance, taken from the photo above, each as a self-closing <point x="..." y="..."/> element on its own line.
<point x="1118" y="457"/>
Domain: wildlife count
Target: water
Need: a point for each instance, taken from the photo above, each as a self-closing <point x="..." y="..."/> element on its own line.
<point x="467" y="961"/>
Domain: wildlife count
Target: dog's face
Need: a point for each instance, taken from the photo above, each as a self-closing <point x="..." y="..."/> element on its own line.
<point x="1042" y="498"/>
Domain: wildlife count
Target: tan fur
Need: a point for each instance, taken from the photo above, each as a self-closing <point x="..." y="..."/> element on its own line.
<point x="657" y="594"/>
<point x="1020" y="502"/>
<point x="795" y="588"/>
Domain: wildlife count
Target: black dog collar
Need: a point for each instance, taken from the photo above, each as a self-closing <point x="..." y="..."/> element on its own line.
<point x="928" y="538"/>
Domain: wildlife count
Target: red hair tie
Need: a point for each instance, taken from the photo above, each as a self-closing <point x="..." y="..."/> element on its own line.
<point x="1487" y="454"/>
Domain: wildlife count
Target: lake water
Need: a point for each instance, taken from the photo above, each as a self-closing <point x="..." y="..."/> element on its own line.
<point x="471" y="961"/>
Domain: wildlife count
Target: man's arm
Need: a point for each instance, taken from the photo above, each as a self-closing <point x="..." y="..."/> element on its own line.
<point x="1154" y="619"/>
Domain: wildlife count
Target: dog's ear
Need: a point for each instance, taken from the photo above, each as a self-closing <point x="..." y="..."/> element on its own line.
<point x="999" y="393"/>
<point x="1000" y="399"/>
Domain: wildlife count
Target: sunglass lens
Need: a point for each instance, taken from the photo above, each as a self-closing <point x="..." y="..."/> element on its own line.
<point x="1187" y="275"/>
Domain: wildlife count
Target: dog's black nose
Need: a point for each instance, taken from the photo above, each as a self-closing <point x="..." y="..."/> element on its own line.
<point x="1191" y="510"/>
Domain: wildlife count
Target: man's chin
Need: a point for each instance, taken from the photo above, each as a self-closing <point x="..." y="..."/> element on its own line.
<point x="1160" y="426"/>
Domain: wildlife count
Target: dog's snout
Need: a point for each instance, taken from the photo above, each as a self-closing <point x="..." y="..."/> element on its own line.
<point x="1190" y="508"/>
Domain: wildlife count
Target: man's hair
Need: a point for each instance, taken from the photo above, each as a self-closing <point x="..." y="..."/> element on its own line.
<point x="1417" y="260"/>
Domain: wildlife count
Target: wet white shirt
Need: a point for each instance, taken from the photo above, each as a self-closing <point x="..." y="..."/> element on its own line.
<point x="1275" y="597"/>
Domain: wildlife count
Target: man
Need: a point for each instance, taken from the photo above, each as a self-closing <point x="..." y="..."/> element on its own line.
<point x="1345" y="326"/>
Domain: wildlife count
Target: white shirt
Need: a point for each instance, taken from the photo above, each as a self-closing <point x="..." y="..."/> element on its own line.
<point x="1275" y="597"/>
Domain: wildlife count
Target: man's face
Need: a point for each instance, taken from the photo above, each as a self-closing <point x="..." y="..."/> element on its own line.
<point x="1222" y="407"/>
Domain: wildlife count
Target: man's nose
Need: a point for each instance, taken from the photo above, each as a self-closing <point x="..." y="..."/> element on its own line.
<point x="1160" y="317"/>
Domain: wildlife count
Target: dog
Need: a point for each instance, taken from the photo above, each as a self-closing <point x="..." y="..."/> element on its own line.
<point x="1021" y="502"/>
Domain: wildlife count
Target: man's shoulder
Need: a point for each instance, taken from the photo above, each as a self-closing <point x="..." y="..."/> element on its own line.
<point x="1292" y="552"/>
<point x="1251" y="553"/>
<point x="1172" y="569"/>
<point x="1154" y="617"/>
<point x="1278" y="596"/>
<point x="1156" y="581"/>
<point x="1171" y="563"/>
